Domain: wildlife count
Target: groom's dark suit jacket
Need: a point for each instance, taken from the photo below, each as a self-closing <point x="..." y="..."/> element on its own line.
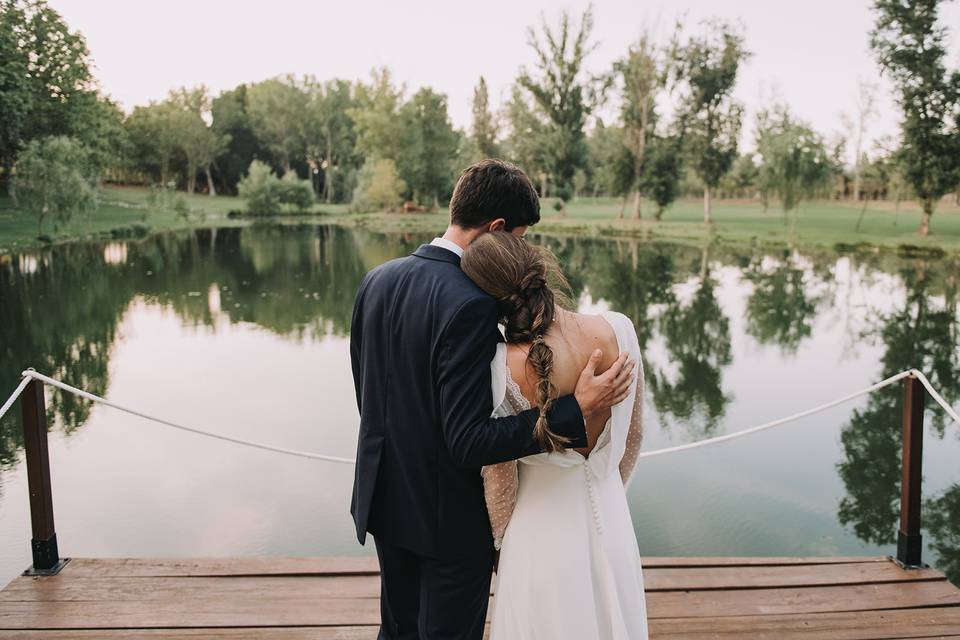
<point x="422" y="339"/>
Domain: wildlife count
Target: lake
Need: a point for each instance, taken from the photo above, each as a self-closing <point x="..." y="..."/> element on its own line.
<point x="244" y="331"/>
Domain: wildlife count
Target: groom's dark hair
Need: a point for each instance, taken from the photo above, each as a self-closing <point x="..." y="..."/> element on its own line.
<point x="492" y="189"/>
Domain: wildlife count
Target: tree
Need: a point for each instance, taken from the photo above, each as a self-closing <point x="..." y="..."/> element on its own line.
<point x="484" y="128"/>
<point x="525" y="141"/>
<point x="46" y="85"/>
<point x="641" y="77"/>
<point x="710" y="118"/>
<point x="564" y="95"/>
<point x="857" y="126"/>
<point x="231" y="123"/>
<point x="910" y="48"/>
<point x="199" y="142"/>
<point x="432" y="143"/>
<point x="611" y="162"/>
<point x="329" y="134"/>
<point x="54" y="179"/>
<point x="660" y="172"/>
<point x="275" y="108"/>
<point x="376" y="117"/>
<point x="154" y="139"/>
<point x="379" y="186"/>
<point x="794" y="158"/>
<point x="267" y="194"/>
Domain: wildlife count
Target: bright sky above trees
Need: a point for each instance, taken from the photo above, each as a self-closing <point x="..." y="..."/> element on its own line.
<point x="808" y="54"/>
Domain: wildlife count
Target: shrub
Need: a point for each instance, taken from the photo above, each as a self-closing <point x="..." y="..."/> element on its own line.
<point x="379" y="187"/>
<point x="266" y="194"/>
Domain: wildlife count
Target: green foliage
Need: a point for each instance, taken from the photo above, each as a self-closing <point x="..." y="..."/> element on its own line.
<point x="611" y="161"/>
<point x="46" y="85"/>
<point x="268" y="195"/>
<point x="426" y="164"/>
<point x="484" y="127"/>
<point x="328" y="132"/>
<point x="710" y="119"/>
<point x="910" y="47"/>
<point x="54" y="180"/>
<point x="660" y="177"/>
<point x="376" y="117"/>
<point x="379" y="187"/>
<point x="564" y="95"/>
<point x="525" y="143"/>
<point x="275" y="108"/>
<point x="794" y="159"/>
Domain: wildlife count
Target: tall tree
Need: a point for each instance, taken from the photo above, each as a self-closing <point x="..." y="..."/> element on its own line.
<point x="46" y="85"/>
<point x="380" y="131"/>
<point x="154" y="139"/>
<point x="329" y="135"/>
<point x="231" y="123"/>
<point x="426" y="165"/>
<point x="276" y="107"/>
<point x="564" y="93"/>
<point x="641" y="76"/>
<point x="484" y="128"/>
<point x="710" y="117"/>
<point x="525" y="139"/>
<point x="794" y="158"/>
<point x="909" y="45"/>
<point x="200" y="143"/>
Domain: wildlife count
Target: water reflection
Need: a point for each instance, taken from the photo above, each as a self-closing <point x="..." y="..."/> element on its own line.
<point x="62" y="311"/>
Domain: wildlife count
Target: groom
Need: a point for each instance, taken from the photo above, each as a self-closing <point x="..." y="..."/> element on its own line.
<point x="423" y="336"/>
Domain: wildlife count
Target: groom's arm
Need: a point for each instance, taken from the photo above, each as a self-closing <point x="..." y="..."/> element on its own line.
<point x="474" y="439"/>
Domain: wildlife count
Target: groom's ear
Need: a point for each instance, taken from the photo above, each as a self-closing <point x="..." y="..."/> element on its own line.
<point x="497" y="225"/>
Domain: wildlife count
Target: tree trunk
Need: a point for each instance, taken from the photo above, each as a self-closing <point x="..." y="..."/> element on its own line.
<point x="212" y="189"/>
<point x="328" y="172"/>
<point x="925" y="218"/>
<point x="623" y="206"/>
<point x="706" y="205"/>
<point x="637" y="214"/>
<point x="659" y="214"/>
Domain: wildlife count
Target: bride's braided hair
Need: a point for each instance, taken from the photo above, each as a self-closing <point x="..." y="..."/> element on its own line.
<point x="516" y="273"/>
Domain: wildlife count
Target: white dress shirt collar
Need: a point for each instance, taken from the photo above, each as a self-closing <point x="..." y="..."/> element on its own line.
<point x="448" y="245"/>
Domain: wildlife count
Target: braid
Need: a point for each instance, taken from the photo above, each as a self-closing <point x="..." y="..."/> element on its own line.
<point x="515" y="273"/>
<point x="540" y="357"/>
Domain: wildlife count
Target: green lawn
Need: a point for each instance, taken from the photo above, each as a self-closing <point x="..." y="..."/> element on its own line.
<point x="124" y="212"/>
<point x="822" y="223"/>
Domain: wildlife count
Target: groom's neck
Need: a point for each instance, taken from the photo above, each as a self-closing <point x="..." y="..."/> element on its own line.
<point x="460" y="236"/>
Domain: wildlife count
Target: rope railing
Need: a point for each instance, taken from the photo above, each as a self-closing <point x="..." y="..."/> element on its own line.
<point x="46" y="555"/>
<point x="30" y="374"/>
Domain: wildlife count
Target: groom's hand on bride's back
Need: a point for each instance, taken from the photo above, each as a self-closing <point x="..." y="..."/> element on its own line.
<point x="600" y="392"/>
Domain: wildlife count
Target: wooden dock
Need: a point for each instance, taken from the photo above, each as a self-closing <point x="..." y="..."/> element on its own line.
<point x="337" y="599"/>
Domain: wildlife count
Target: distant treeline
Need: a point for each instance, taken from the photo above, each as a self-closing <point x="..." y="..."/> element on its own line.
<point x="371" y="144"/>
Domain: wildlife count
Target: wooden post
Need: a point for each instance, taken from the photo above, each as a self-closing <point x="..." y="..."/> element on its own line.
<point x="46" y="557"/>
<point x="909" y="540"/>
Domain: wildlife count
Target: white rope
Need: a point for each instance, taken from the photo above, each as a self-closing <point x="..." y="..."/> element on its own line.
<point x="779" y="421"/>
<point x="31" y="374"/>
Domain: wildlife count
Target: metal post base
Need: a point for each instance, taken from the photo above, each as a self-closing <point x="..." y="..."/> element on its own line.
<point x="909" y="551"/>
<point x="46" y="557"/>
<point x="47" y="572"/>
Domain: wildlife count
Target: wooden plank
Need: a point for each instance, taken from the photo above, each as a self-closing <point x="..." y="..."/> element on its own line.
<point x="259" y="607"/>
<point x="860" y="625"/>
<point x="808" y="600"/>
<point x="66" y="587"/>
<point x="145" y="567"/>
<point x="248" y="633"/>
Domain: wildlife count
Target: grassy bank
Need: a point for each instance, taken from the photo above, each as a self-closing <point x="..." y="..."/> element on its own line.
<point x="126" y="212"/>
<point x="815" y="224"/>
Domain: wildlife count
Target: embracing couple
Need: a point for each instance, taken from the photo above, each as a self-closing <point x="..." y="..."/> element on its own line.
<point x="497" y="427"/>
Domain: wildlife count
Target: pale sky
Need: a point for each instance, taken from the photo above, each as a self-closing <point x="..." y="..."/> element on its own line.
<point x="811" y="53"/>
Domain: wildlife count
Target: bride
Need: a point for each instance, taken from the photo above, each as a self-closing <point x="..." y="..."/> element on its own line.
<point x="569" y="565"/>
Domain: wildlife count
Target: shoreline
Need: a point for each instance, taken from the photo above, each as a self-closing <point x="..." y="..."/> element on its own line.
<point x="125" y="215"/>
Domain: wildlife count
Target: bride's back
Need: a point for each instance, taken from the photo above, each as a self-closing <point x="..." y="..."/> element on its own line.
<point x="572" y="338"/>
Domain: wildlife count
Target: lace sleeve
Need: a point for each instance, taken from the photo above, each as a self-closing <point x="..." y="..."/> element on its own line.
<point x="635" y="435"/>
<point x="500" y="491"/>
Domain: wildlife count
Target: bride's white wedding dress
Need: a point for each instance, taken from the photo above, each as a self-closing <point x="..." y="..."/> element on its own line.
<point x="569" y="563"/>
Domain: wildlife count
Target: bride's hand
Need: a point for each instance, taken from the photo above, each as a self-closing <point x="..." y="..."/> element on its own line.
<point x="599" y="392"/>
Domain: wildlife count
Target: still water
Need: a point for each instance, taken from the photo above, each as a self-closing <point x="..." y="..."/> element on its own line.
<point x="244" y="332"/>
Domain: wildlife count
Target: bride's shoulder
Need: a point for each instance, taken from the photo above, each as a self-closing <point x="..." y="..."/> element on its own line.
<point x="622" y="324"/>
